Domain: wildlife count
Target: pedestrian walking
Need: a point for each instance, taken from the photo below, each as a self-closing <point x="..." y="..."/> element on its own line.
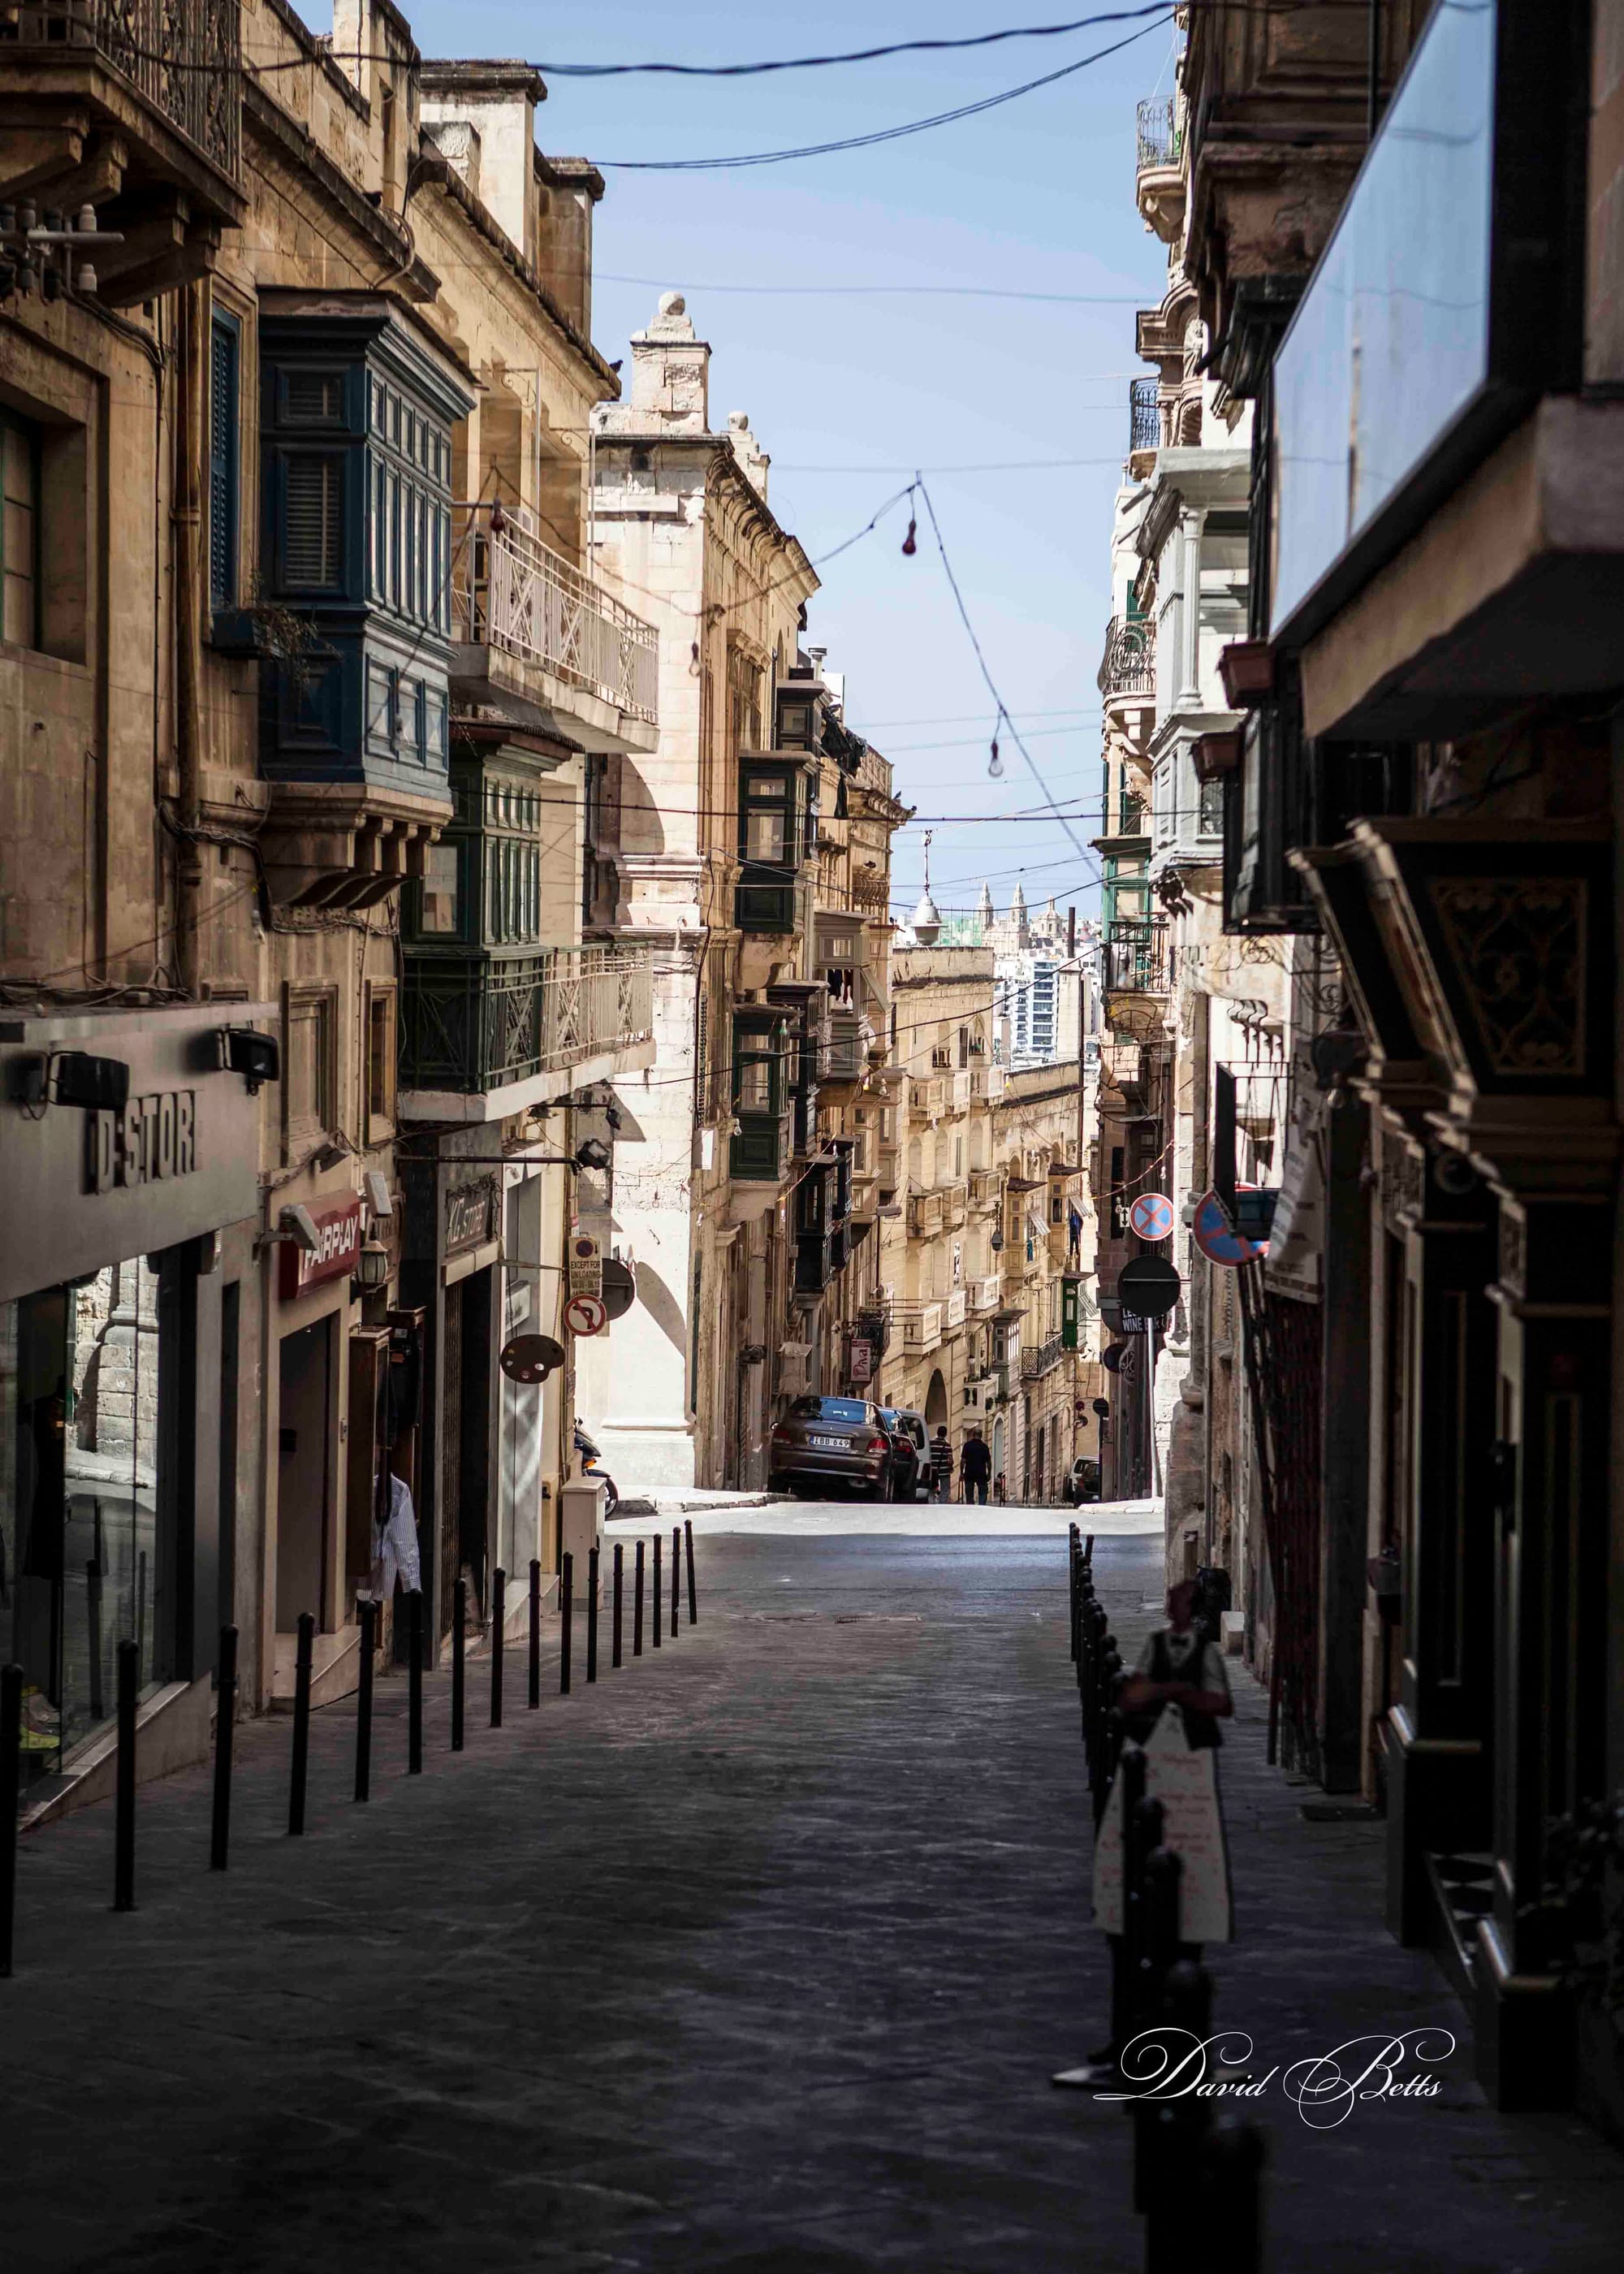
<point x="974" y="1468"/>
<point x="941" y="1464"/>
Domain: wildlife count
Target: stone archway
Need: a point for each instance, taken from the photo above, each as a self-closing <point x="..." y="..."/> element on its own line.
<point x="936" y="1402"/>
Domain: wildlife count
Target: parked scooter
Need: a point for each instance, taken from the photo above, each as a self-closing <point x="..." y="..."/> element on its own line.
<point x="590" y="1459"/>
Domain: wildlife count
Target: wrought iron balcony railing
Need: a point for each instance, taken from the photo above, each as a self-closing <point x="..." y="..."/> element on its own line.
<point x="1129" y="666"/>
<point x="471" y="1025"/>
<point x="1047" y="1355"/>
<point x="1144" y="414"/>
<point x="514" y="594"/>
<point x="1136" y="957"/>
<point x="1159" y="139"/>
<point x="186" y="62"/>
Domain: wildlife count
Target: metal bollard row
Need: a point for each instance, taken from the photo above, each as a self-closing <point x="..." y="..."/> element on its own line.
<point x="1197" y="2177"/>
<point x="369" y="1621"/>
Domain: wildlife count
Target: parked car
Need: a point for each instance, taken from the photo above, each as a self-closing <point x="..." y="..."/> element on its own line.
<point x="911" y="1451"/>
<point x="1082" y="1482"/>
<point x="831" y="1441"/>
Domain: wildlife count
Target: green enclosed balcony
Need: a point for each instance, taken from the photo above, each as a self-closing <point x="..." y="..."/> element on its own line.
<point x="485" y="1036"/>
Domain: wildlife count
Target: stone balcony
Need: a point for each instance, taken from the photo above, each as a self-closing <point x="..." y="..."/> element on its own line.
<point x="539" y="641"/>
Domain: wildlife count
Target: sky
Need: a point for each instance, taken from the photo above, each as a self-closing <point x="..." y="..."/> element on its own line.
<point x="851" y="392"/>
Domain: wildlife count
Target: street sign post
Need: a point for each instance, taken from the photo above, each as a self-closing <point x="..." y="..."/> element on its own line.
<point x="586" y="1265"/>
<point x="1152" y="1217"/>
<point x="1148" y="1286"/>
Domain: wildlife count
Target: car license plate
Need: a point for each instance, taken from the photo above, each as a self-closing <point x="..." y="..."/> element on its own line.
<point x="829" y="1444"/>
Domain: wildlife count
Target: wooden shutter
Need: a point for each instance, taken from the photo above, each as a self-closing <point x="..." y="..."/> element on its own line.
<point x="313" y="543"/>
<point x="222" y="456"/>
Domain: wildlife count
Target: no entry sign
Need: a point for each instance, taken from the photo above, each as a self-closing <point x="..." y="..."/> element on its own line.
<point x="1152" y="1217"/>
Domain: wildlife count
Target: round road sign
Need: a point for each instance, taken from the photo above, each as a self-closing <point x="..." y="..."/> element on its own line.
<point x="586" y="1315"/>
<point x="1152" y="1217"/>
<point x="620" y="1291"/>
<point x="1148" y="1286"/>
<point x="1212" y="1234"/>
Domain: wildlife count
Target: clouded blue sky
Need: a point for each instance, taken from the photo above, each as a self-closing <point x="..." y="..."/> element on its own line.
<point x="1036" y="196"/>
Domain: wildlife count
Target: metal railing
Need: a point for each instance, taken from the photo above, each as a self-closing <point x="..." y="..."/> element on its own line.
<point x="1159" y="139"/>
<point x="514" y="594"/>
<point x="471" y="1027"/>
<point x="1047" y="1355"/>
<point x="1136" y="957"/>
<point x="186" y="62"/>
<point x="1144" y="414"/>
<point x="1129" y="666"/>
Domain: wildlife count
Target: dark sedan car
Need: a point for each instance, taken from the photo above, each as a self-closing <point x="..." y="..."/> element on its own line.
<point x="831" y="1441"/>
<point x="910" y="1440"/>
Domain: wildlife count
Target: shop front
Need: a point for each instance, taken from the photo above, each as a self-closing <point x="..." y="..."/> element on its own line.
<point x="128" y="1160"/>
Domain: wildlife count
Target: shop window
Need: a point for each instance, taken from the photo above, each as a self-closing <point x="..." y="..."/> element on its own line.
<point x="20" y="528"/>
<point x="310" y="1020"/>
<point x="225" y="350"/>
<point x="437" y="894"/>
<point x="85" y="1549"/>
<point x="380" y="1063"/>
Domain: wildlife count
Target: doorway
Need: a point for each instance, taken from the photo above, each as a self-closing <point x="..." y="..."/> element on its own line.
<point x="936" y="1402"/>
<point x="304" y="1476"/>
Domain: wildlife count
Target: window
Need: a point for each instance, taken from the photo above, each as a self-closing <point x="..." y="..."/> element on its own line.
<point x="380" y="1060"/>
<point x="765" y="823"/>
<point x="312" y="536"/>
<point x="307" y="1089"/>
<point x="313" y="398"/>
<point x="438" y="892"/>
<point x="224" y="352"/>
<point x="19" y="534"/>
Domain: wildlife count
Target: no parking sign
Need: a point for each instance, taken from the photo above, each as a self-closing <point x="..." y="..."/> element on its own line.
<point x="1152" y="1217"/>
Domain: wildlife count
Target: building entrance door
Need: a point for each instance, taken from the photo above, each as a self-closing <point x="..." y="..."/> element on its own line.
<point x="304" y="1476"/>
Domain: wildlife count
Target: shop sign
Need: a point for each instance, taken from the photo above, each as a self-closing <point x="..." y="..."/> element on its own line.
<point x="586" y="1265"/>
<point x="87" y="1187"/>
<point x="471" y="1215"/>
<point x="863" y="1361"/>
<point x="338" y="1246"/>
<point x="153" y="1137"/>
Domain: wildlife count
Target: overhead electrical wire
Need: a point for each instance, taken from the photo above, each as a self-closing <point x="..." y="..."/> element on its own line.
<point x="1163" y="16"/>
<point x="849" y="55"/>
<point x="865" y="291"/>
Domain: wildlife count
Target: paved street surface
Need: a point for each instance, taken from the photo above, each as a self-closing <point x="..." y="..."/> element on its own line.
<point x="756" y="1958"/>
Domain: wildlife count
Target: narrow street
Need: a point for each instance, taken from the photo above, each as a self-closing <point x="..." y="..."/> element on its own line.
<point x="756" y="1955"/>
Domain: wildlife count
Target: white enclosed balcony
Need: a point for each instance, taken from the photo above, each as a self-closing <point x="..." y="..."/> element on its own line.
<point x="536" y="636"/>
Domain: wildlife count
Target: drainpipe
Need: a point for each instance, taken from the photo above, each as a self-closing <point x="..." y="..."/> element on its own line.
<point x="187" y="518"/>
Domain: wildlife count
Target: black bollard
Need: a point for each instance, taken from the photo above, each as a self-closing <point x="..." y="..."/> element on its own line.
<point x="413" y="1682"/>
<point x="654" y="1624"/>
<point x="566" y="1611"/>
<point x="1164" y="1872"/>
<point x="499" y="1638"/>
<point x="619" y="1576"/>
<point x="1230" y="2184"/>
<point x="124" y="1798"/>
<point x="676" y="1575"/>
<point x="693" y="1598"/>
<point x="591" y="1614"/>
<point x="299" y="1766"/>
<point x="366" y="1612"/>
<point x="225" y="1726"/>
<point x="1141" y="1835"/>
<point x="1073" y="1592"/>
<point x="10" y="1794"/>
<point x="535" y="1668"/>
<point x="459" y="1672"/>
<point x="637" y="1605"/>
<point x="1130" y="1770"/>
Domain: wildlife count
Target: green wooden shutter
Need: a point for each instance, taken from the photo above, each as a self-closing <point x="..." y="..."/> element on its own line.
<point x="223" y="464"/>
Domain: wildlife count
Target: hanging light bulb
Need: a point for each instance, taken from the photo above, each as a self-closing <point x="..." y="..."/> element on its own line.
<point x="994" y="763"/>
<point x="909" y="547"/>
